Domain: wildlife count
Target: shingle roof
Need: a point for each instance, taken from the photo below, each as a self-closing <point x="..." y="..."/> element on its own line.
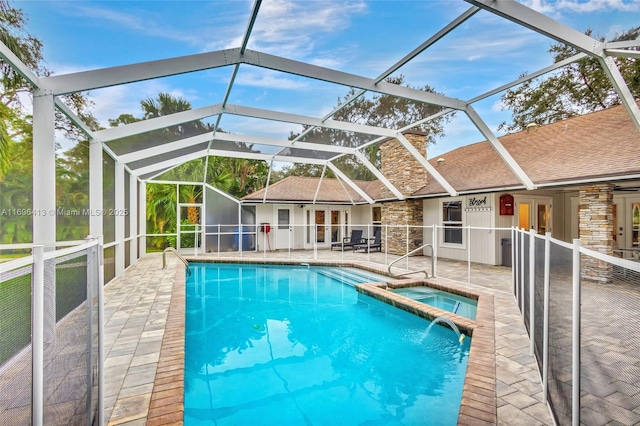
<point x="600" y="145"/>
<point x="303" y="190"/>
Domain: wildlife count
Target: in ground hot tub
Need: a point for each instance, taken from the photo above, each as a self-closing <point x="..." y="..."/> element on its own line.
<point x="450" y="302"/>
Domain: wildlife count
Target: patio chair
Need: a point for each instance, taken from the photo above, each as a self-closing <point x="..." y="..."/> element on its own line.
<point x="355" y="238"/>
<point x="372" y="244"/>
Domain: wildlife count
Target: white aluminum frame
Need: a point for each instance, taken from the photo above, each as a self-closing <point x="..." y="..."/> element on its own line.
<point x="48" y="89"/>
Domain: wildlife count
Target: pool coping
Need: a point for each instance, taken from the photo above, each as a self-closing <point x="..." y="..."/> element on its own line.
<point x="479" y="398"/>
<point x="167" y="398"/>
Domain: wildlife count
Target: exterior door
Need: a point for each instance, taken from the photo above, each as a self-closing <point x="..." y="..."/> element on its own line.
<point x="284" y="227"/>
<point x="189" y="239"/>
<point x="336" y="226"/>
<point x="543" y="218"/>
<point x="635" y="225"/>
<point x="524" y="215"/>
<point x="321" y="228"/>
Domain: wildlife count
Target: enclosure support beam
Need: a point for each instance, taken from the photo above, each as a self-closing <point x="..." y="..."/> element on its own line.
<point x="432" y="171"/>
<point x="499" y="148"/>
<point x="536" y="21"/>
<point x="532" y="290"/>
<point x="37" y="338"/>
<point x="142" y="217"/>
<point x="44" y="169"/>
<point x="133" y="220"/>
<point x="378" y="174"/>
<point x="617" y="81"/>
<point x="95" y="189"/>
<point x="545" y="310"/>
<point x="349" y="182"/>
<point x="575" y="340"/>
<point x="119" y="217"/>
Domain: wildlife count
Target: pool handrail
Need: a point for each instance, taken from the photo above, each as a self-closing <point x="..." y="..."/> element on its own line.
<point x="172" y="250"/>
<point x="426" y="274"/>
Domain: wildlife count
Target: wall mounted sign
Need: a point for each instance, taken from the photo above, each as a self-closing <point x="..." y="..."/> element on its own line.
<point x="480" y="203"/>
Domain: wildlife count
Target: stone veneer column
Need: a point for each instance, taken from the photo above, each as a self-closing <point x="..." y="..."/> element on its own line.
<point x="406" y="174"/>
<point x="397" y="215"/>
<point x="596" y="229"/>
<point x="402" y="170"/>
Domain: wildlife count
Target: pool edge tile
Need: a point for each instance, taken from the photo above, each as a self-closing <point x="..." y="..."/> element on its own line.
<point x="479" y="389"/>
<point x="167" y="405"/>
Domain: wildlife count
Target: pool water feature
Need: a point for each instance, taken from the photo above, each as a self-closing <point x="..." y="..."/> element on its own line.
<point x="450" y="302"/>
<point x="290" y="345"/>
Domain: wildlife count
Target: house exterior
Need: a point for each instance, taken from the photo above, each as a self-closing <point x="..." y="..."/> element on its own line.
<point x="586" y="172"/>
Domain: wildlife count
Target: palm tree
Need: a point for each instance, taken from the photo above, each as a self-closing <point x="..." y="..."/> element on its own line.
<point x="161" y="212"/>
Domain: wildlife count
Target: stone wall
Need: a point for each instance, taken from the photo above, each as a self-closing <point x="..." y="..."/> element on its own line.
<point x="399" y="166"/>
<point x="596" y="229"/>
<point x="407" y="175"/>
<point x="407" y="212"/>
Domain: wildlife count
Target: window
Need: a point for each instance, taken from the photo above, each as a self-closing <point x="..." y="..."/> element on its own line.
<point x="283" y="219"/>
<point x="452" y="221"/>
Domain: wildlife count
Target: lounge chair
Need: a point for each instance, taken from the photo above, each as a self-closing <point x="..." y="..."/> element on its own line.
<point x="355" y="238"/>
<point x="372" y="244"/>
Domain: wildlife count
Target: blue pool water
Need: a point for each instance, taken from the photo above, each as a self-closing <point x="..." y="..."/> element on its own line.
<point x="273" y="345"/>
<point x="454" y="303"/>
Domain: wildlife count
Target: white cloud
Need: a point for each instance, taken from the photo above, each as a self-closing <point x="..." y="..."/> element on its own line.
<point x="292" y="28"/>
<point x="253" y="126"/>
<point x="269" y="80"/>
<point x="578" y="6"/>
<point x="110" y="102"/>
<point x="140" y="23"/>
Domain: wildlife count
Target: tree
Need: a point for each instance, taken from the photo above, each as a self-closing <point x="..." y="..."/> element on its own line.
<point x="29" y="50"/>
<point x="235" y="176"/>
<point x="16" y="139"/>
<point x="379" y="111"/>
<point x="576" y="89"/>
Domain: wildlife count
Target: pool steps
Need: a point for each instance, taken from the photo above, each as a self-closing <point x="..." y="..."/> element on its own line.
<point x="351" y="278"/>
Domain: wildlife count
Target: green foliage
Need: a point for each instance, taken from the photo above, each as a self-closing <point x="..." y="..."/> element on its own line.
<point x="379" y="111"/>
<point x="16" y="192"/>
<point x="16" y="141"/>
<point x="578" y="88"/>
<point x="15" y="323"/>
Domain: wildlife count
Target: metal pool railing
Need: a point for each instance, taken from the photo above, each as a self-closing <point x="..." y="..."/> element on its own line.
<point x="174" y="251"/>
<point x="421" y="248"/>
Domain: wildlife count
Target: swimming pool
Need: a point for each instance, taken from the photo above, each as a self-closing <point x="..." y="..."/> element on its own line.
<point x="453" y="303"/>
<point x="291" y="345"/>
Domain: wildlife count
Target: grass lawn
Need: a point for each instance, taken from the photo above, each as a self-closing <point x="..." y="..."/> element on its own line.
<point x="15" y="304"/>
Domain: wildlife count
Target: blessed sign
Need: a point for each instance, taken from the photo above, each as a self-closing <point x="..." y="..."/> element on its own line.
<point x="477" y="202"/>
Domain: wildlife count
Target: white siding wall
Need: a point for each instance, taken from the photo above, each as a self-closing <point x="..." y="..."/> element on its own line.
<point x="484" y="244"/>
<point x="361" y="217"/>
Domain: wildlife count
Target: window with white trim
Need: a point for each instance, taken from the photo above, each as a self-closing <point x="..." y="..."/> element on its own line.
<point x="452" y="222"/>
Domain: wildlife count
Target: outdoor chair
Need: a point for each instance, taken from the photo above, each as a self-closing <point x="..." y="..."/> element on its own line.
<point x="355" y="238"/>
<point x="372" y="244"/>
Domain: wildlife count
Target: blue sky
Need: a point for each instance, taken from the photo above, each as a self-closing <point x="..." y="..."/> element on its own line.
<point x="360" y="37"/>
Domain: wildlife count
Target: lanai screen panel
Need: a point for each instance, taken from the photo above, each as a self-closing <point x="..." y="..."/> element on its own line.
<point x="109" y="198"/>
<point x="305" y="153"/>
<point x="158" y="138"/>
<point x="237" y="147"/>
<point x="222" y="215"/>
<point x="168" y="156"/>
<point x="337" y="137"/>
